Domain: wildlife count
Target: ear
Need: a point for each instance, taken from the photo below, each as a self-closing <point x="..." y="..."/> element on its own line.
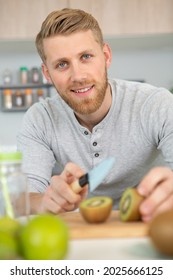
<point x="46" y="73"/>
<point x="108" y="54"/>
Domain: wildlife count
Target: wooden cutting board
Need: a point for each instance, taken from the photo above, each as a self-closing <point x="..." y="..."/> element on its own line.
<point x="112" y="228"/>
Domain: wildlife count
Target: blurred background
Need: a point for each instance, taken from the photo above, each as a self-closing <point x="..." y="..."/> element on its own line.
<point x="140" y="34"/>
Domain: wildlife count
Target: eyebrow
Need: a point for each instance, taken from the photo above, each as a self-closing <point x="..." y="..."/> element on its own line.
<point x="66" y="58"/>
<point x="58" y="60"/>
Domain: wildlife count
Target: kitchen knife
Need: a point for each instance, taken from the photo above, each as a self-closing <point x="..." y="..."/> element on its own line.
<point x="94" y="177"/>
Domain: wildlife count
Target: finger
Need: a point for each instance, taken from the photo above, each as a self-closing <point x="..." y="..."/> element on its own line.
<point x="62" y="203"/>
<point x="156" y="198"/>
<point x="72" y="171"/>
<point x="166" y="205"/>
<point x="62" y="193"/>
<point x="152" y="179"/>
<point x="83" y="195"/>
<point x="70" y="174"/>
<point x="50" y="206"/>
<point x="55" y="203"/>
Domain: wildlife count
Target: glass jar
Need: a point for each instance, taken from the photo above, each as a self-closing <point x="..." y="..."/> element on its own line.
<point x="7" y="77"/>
<point x="7" y="98"/>
<point x="14" y="198"/>
<point x="35" y="75"/>
<point x="18" y="99"/>
<point x="40" y="94"/>
<point x="23" y="75"/>
<point x="28" y="97"/>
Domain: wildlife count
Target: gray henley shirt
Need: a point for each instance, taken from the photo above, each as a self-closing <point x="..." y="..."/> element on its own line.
<point x="137" y="131"/>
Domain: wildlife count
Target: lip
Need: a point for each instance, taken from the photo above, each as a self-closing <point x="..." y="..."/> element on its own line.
<point x="83" y="91"/>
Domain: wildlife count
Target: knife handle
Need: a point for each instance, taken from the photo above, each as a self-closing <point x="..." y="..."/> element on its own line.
<point x="80" y="183"/>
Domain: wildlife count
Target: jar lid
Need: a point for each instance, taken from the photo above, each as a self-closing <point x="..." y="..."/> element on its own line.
<point x="7" y="92"/>
<point x="23" y="68"/>
<point x="10" y="155"/>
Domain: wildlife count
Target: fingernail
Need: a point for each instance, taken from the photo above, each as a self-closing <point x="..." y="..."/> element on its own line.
<point x="145" y="209"/>
<point x="141" y="191"/>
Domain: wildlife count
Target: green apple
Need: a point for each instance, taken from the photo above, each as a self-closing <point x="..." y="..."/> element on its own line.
<point x="9" y="225"/>
<point x="45" y="237"/>
<point x="8" y="246"/>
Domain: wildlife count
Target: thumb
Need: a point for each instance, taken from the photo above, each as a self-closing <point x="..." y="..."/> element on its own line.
<point x="71" y="172"/>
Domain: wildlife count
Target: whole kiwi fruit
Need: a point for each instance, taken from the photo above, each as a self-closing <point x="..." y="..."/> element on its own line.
<point x="96" y="209"/>
<point x="161" y="232"/>
<point x="129" y="205"/>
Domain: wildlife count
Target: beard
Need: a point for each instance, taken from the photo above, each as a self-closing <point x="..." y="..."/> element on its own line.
<point x="88" y="104"/>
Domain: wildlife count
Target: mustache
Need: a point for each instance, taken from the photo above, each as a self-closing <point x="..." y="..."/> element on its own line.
<point x="81" y="83"/>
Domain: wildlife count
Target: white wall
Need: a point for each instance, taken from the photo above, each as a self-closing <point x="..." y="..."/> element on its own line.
<point x="144" y="58"/>
<point x="134" y="59"/>
<point x="153" y="66"/>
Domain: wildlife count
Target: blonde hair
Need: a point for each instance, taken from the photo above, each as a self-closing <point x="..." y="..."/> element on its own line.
<point x="65" y="22"/>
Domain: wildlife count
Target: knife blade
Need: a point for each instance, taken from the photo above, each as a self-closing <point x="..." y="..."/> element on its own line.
<point x="94" y="177"/>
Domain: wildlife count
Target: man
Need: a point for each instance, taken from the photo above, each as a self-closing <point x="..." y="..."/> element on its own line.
<point x="92" y="118"/>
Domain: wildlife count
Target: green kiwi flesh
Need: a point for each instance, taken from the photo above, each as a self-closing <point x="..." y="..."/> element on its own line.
<point x="161" y="232"/>
<point x="96" y="209"/>
<point x="129" y="205"/>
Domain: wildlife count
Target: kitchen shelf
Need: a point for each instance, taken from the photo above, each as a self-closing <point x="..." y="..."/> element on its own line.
<point x="14" y="108"/>
<point x="29" y="85"/>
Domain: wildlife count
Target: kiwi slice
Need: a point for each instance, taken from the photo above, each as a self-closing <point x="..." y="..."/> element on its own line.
<point x="161" y="232"/>
<point x="96" y="209"/>
<point x="129" y="205"/>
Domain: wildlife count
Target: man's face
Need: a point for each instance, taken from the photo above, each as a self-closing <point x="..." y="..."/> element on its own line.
<point x="77" y="66"/>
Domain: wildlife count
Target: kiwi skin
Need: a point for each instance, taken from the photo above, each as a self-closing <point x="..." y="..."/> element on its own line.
<point x="96" y="209"/>
<point x="161" y="232"/>
<point x="129" y="205"/>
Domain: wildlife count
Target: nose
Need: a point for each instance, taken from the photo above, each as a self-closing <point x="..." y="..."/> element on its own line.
<point x="78" y="73"/>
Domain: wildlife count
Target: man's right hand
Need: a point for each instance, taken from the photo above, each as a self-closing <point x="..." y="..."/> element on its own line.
<point x="59" y="197"/>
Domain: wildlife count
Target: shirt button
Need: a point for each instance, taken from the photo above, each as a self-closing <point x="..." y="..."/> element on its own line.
<point x="94" y="143"/>
<point x="96" y="154"/>
<point x="86" y="132"/>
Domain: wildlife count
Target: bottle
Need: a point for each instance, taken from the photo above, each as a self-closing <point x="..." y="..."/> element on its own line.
<point x="40" y="94"/>
<point x="19" y="99"/>
<point x="14" y="197"/>
<point x="35" y="75"/>
<point x="7" y="77"/>
<point x="28" y="97"/>
<point x="23" y="75"/>
<point x="7" y="98"/>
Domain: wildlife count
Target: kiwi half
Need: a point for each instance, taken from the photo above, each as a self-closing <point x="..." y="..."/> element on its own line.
<point x="96" y="209"/>
<point x="129" y="205"/>
<point x="161" y="232"/>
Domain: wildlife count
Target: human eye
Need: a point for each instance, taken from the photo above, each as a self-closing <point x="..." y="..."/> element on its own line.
<point x="62" y="65"/>
<point x="86" y="56"/>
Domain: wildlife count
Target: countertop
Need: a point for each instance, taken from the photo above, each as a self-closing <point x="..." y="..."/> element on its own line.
<point x="111" y="240"/>
<point x="113" y="249"/>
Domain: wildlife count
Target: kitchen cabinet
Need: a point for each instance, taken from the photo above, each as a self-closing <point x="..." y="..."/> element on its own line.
<point x="22" y="19"/>
<point x="130" y="17"/>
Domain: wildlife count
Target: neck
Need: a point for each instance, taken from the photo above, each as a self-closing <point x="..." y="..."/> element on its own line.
<point x="91" y="120"/>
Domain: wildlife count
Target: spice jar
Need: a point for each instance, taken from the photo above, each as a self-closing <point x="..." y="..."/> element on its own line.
<point x="40" y="94"/>
<point x="19" y="99"/>
<point x="23" y="75"/>
<point x="35" y="75"/>
<point x="7" y="77"/>
<point x="7" y="98"/>
<point x="28" y="97"/>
